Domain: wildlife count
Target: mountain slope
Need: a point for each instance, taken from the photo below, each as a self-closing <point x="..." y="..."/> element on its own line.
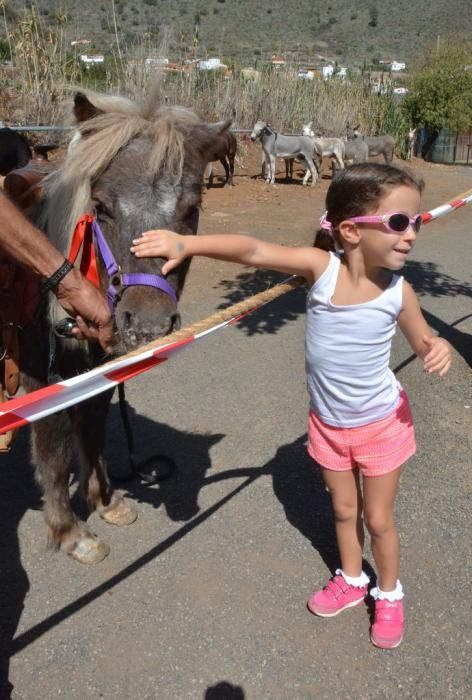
<point x="245" y="31"/>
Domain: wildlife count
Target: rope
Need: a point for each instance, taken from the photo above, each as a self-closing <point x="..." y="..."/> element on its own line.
<point x="50" y="399"/>
<point x="231" y="314"/>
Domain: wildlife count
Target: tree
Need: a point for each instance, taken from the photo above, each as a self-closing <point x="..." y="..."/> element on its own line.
<point x="441" y="86"/>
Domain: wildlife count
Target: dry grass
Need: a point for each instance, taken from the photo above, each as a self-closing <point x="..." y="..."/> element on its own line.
<point x="44" y="73"/>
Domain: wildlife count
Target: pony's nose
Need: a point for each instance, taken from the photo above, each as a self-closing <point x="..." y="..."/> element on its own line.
<point x="142" y="315"/>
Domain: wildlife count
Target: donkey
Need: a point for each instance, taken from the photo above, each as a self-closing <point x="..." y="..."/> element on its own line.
<point x="355" y="151"/>
<point x="287" y="147"/>
<point x="133" y="167"/>
<point x="411" y="143"/>
<point x="226" y="154"/>
<point x="331" y="147"/>
<point x="377" y="145"/>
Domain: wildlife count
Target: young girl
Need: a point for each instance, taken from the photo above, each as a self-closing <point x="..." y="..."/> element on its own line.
<point x="359" y="423"/>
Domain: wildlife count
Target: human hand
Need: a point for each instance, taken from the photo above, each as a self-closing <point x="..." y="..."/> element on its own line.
<point x="90" y="308"/>
<point x="161" y="244"/>
<point x="438" y="357"/>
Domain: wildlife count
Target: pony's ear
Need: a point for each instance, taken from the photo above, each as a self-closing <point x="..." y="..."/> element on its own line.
<point x="83" y="108"/>
<point x="219" y="127"/>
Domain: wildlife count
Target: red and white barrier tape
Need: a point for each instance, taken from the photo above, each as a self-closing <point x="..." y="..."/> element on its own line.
<point x="50" y="399"/>
<point x="454" y="204"/>
<point x="43" y="402"/>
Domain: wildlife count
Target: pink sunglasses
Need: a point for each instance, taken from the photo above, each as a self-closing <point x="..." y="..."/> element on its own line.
<point x="396" y="222"/>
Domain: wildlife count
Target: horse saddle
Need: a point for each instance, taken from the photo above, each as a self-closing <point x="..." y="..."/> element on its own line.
<point x="19" y="291"/>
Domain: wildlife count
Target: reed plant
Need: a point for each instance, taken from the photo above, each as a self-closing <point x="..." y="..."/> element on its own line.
<point x="45" y="69"/>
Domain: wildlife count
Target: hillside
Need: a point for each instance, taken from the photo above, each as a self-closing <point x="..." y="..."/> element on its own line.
<point x="245" y="31"/>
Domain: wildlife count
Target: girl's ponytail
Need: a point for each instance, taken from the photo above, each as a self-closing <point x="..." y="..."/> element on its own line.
<point x="324" y="240"/>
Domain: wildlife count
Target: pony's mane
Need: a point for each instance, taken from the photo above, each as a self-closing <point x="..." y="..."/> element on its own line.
<point x="68" y="190"/>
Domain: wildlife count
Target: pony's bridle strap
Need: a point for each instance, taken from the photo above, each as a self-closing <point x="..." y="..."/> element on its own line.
<point x="119" y="281"/>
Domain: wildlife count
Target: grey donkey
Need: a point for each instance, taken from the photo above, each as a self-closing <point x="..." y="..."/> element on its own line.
<point x="276" y="145"/>
<point x="377" y="145"/>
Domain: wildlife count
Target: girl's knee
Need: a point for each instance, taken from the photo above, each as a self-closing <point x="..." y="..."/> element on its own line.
<point x="379" y="523"/>
<point x="344" y="511"/>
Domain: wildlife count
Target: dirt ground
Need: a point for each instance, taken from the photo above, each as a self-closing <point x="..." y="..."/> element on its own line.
<point x="204" y="597"/>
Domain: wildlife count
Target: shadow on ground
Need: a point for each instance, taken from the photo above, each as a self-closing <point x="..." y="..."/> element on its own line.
<point x="271" y="317"/>
<point x="297" y="484"/>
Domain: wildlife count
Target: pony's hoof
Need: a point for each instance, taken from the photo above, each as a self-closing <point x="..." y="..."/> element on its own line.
<point x="90" y="550"/>
<point x="119" y="513"/>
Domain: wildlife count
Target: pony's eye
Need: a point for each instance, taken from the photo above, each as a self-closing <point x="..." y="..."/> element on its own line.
<point x="102" y="211"/>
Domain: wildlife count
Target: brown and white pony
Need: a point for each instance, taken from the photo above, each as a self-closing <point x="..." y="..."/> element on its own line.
<point x="134" y="167"/>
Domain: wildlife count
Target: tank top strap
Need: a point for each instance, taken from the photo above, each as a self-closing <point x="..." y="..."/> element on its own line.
<point x="325" y="284"/>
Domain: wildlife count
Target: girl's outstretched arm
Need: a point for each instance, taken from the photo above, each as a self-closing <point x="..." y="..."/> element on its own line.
<point x="435" y="352"/>
<point x="307" y="262"/>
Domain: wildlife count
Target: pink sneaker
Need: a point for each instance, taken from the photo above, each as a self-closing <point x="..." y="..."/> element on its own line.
<point x="389" y="622"/>
<point x="335" y="597"/>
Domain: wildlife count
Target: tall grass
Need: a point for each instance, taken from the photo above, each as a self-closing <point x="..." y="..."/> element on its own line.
<point x="45" y="70"/>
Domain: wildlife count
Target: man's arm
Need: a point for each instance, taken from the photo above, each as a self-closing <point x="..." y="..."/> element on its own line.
<point x="32" y="249"/>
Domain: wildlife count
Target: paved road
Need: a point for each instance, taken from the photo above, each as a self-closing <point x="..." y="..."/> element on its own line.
<point x="204" y="597"/>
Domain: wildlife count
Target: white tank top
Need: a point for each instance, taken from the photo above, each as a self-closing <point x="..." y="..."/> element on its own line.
<point x="347" y="351"/>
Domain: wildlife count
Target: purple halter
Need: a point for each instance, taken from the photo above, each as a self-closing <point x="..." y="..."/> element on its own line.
<point x="119" y="280"/>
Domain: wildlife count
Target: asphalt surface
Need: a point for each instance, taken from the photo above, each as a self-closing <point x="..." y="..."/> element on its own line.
<point x="204" y="596"/>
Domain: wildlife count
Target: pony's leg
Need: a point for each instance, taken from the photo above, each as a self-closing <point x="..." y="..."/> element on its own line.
<point x="52" y="453"/>
<point x="210" y="176"/>
<point x="90" y="423"/>
<point x="225" y="165"/>
<point x="231" y="170"/>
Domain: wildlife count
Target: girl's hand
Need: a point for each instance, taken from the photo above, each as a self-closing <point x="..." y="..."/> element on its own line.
<point x="438" y="357"/>
<point x="161" y="244"/>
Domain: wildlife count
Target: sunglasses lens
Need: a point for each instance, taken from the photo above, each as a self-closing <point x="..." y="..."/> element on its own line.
<point x="399" y="222"/>
<point x="418" y="222"/>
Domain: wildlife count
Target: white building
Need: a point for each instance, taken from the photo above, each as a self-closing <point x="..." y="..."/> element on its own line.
<point x="210" y="64"/>
<point x="327" y="71"/>
<point x="397" y="66"/>
<point x="306" y="74"/>
<point x="91" y="60"/>
<point x="156" y="61"/>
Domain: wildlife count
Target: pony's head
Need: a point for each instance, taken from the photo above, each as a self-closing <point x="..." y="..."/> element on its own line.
<point x="138" y="167"/>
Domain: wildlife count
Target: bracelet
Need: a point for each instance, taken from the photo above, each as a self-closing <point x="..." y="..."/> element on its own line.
<point x="48" y="284"/>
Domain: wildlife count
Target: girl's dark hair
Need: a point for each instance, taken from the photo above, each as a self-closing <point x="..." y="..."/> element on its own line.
<point x="357" y="190"/>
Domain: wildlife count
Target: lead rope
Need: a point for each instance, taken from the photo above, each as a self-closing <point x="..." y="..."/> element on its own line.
<point x="154" y="469"/>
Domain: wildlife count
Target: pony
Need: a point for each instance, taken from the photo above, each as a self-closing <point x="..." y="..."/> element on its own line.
<point x="330" y="147"/>
<point x="15" y="151"/>
<point x="133" y="167"/>
<point x="287" y="147"/>
<point x="226" y="154"/>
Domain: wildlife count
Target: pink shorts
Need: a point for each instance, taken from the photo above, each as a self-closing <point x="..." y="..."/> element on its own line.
<point x="376" y="448"/>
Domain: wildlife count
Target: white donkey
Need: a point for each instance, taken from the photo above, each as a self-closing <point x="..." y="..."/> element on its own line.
<point x="411" y="143"/>
<point x="330" y="147"/>
<point x="287" y="147"/>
